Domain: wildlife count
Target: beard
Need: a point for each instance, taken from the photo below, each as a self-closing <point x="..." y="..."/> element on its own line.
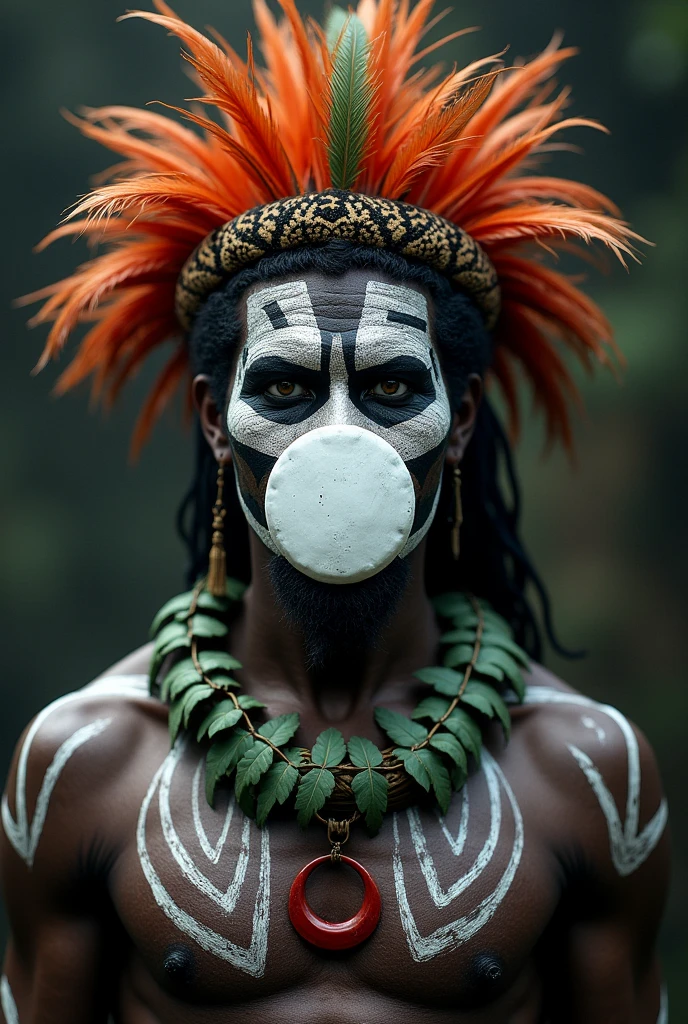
<point x="341" y="620"/>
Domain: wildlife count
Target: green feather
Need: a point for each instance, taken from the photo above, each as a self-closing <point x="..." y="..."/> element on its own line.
<point x="336" y="20"/>
<point x="351" y="94"/>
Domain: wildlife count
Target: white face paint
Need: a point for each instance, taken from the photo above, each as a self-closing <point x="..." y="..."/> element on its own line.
<point x="380" y="376"/>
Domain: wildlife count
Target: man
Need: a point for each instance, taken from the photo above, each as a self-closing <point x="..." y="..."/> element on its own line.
<point x="339" y="336"/>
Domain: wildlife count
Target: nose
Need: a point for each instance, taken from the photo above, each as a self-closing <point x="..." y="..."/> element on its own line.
<point x="341" y="411"/>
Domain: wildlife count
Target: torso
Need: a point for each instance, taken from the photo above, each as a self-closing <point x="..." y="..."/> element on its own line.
<point x="469" y="902"/>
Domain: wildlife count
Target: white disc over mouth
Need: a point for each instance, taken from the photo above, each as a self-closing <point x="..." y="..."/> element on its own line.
<point x="340" y="504"/>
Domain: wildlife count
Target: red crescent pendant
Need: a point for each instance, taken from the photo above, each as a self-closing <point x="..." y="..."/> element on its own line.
<point x="334" y="934"/>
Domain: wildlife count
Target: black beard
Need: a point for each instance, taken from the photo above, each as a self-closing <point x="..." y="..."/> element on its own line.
<point x="338" y="620"/>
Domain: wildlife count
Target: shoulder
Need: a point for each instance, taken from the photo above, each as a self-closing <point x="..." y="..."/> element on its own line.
<point x="71" y="751"/>
<point x="601" y="770"/>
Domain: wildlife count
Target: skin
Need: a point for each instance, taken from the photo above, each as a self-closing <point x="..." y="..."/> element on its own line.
<point x="572" y="942"/>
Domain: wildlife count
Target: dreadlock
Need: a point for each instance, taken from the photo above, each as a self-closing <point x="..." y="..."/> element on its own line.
<point x="493" y="563"/>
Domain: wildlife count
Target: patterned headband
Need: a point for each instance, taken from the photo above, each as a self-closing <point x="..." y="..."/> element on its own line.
<point x="318" y="217"/>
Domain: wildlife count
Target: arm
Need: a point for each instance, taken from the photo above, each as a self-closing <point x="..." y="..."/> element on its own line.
<point x="617" y="879"/>
<point x="53" y="865"/>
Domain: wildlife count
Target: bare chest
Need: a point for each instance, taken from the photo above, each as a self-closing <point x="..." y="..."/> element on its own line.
<point x="204" y="895"/>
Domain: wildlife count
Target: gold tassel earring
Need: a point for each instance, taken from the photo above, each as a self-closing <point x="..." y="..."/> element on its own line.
<point x="458" y="515"/>
<point x="217" y="563"/>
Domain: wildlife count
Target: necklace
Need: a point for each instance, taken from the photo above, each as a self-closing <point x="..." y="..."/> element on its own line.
<point x="337" y="782"/>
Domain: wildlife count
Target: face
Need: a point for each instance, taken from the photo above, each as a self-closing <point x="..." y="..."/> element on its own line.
<point x="355" y="356"/>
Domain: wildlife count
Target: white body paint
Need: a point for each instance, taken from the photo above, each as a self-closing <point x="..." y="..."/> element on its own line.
<point x="340" y="504"/>
<point x="249" y="959"/>
<point x="629" y="848"/>
<point x="456" y="933"/>
<point x="663" y="1007"/>
<point x="25" y="835"/>
<point x="9" y="1007"/>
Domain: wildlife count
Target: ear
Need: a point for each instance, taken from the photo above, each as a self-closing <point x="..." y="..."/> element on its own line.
<point x="463" y="423"/>
<point x="212" y="419"/>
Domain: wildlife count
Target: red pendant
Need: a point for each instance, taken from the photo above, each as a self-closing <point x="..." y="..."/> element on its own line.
<point x="334" y="934"/>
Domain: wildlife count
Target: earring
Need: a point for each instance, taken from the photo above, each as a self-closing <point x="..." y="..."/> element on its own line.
<point x="458" y="515"/>
<point x="217" y="562"/>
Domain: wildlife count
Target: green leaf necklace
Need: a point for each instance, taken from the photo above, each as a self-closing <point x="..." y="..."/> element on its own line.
<point x="337" y="782"/>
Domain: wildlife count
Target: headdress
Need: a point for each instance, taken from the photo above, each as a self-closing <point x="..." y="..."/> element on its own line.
<point x="341" y="132"/>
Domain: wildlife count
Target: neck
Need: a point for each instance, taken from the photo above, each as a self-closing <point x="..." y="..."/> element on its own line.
<point x="277" y="669"/>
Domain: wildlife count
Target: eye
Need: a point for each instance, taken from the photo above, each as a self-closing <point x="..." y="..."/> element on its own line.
<point x="389" y="389"/>
<point x="286" y="389"/>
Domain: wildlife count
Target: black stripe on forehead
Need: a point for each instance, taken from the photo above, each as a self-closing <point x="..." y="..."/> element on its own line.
<point x="277" y="317"/>
<point x="395" y="316"/>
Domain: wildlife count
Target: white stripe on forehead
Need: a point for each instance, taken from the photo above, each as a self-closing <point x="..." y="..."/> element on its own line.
<point x="281" y="317"/>
<point x="394" y="323"/>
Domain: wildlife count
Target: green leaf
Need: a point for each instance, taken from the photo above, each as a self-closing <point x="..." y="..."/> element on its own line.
<point x="370" y="790"/>
<point x="451" y="605"/>
<point x="211" y="660"/>
<point x="182" y="602"/>
<point x="206" y="626"/>
<point x="221" y="758"/>
<point x="363" y="753"/>
<point x="277" y="785"/>
<point x="399" y="728"/>
<point x="485" y="668"/>
<point x="466" y="730"/>
<point x="181" y="682"/>
<point x="457" y="777"/>
<point x="444" y="680"/>
<point x="193" y="697"/>
<point x="490" y="638"/>
<point x="351" y="96"/>
<point x="336" y="20"/>
<point x="227" y="720"/>
<point x="159" y="654"/>
<point x="315" y="788"/>
<point x="431" y="707"/>
<point x="480" y="703"/>
<point x="225" y="707"/>
<point x="247" y="702"/>
<point x="281" y="729"/>
<point x="222" y="680"/>
<point x="502" y="659"/>
<point x="174" y="718"/>
<point x="426" y="767"/>
<point x="252" y="766"/>
<point x="172" y="631"/>
<point x="329" y="748"/>
<point x="461" y="654"/>
<point x="478" y="694"/>
<point x="449" y="745"/>
<point x="491" y="621"/>
<point x="247" y="801"/>
<point x="235" y="589"/>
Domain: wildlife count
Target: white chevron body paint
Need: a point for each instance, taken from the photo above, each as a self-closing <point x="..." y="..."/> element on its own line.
<point x="629" y="848"/>
<point x="213" y="853"/>
<point x="456" y="933"/>
<point x="249" y="959"/>
<point x="9" y="1007"/>
<point x="25" y="835"/>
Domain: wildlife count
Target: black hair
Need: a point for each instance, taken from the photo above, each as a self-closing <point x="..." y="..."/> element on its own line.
<point x="493" y="562"/>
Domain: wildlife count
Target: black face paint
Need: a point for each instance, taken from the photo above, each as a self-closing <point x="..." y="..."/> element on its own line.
<point x="336" y="377"/>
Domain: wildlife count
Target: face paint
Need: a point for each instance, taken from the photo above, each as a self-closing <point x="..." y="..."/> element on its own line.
<point x="300" y="380"/>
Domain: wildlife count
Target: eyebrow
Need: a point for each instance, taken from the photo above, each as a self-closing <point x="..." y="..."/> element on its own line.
<point x="277" y="317"/>
<point x="397" y="317"/>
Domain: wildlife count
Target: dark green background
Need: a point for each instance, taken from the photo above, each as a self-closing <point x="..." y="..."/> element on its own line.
<point x="88" y="545"/>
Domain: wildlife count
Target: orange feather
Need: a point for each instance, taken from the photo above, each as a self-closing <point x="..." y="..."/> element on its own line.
<point x="465" y="145"/>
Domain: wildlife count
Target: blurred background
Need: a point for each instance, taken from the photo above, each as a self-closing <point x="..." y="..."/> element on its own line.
<point x="88" y="550"/>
